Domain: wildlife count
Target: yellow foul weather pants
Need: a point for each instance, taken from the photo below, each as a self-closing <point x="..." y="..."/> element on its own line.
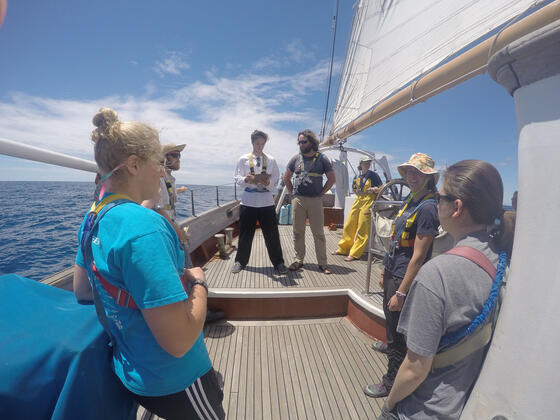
<point x="356" y="229"/>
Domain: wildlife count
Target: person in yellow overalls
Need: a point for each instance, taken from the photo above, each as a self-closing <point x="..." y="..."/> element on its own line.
<point x="356" y="229"/>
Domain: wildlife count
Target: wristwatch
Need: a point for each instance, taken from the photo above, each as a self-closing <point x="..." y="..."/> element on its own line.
<point x="201" y="283"/>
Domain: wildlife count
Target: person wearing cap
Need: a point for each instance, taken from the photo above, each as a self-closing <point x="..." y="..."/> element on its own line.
<point x="165" y="202"/>
<point x="356" y="229"/>
<point x="307" y="192"/>
<point x="257" y="173"/>
<point x="168" y="193"/>
<point x="414" y="230"/>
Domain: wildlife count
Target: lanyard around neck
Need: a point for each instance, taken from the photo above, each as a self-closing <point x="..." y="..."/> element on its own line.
<point x="252" y="164"/>
<point x="169" y="186"/>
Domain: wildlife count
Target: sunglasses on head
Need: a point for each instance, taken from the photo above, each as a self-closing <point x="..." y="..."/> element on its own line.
<point x="174" y="155"/>
<point x="445" y="197"/>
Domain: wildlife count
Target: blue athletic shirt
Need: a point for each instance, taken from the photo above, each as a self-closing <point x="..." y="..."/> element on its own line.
<point x="137" y="250"/>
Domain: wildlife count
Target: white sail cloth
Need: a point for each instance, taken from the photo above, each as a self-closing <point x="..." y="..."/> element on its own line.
<point x="394" y="41"/>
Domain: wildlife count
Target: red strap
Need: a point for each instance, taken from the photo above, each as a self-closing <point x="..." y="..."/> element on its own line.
<point x="122" y="297"/>
<point x="476" y="257"/>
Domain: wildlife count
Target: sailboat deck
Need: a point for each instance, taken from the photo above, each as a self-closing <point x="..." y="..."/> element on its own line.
<point x="298" y="369"/>
<point x="259" y="273"/>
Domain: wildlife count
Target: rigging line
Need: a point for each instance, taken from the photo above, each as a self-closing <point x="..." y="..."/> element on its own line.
<point x="334" y="24"/>
<point x="507" y="25"/>
<point x="351" y="167"/>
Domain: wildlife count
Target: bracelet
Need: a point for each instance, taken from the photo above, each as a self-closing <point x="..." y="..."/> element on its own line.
<point x="201" y="283"/>
<point x="400" y="294"/>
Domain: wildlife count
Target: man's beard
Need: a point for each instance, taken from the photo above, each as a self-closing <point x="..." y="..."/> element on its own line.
<point x="306" y="148"/>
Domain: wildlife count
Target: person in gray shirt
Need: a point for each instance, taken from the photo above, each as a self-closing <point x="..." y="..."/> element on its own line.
<point x="448" y="293"/>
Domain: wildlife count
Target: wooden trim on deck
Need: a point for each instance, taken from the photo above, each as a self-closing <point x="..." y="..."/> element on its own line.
<point x="265" y="304"/>
<point x="367" y="322"/>
<point x="247" y="308"/>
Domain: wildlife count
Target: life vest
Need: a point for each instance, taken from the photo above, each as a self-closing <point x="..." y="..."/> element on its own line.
<point x="96" y="213"/>
<point x="300" y="170"/>
<point x="407" y="235"/>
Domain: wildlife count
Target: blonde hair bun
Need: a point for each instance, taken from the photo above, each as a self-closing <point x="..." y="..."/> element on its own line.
<point x="105" y="120"/>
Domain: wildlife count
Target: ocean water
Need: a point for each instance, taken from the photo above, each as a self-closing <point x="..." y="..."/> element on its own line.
<point x="39" y="222"/>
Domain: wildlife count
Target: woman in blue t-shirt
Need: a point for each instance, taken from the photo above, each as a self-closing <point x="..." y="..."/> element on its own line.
<point x="414" y="230"/>
<point x="135" y="262"/>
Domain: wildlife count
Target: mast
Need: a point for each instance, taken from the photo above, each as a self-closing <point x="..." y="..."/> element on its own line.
<point x="334" y="24"/>
<point x="458" y="70"/>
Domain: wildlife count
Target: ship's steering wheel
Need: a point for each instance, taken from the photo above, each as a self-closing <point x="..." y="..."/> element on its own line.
<point x="393" y="190"/>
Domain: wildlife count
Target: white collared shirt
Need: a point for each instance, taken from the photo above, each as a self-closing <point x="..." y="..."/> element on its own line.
<point x="264" y="197"/>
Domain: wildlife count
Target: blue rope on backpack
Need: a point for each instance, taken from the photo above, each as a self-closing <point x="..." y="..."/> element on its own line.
<point x="455" y="336"/>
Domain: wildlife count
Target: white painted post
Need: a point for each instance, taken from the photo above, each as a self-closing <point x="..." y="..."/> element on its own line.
<point x="520" y="376"/>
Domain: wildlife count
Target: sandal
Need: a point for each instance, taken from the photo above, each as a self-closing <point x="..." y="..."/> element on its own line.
<point x="325" y="269"/>
<point x="350" y="258"/>
<point x="337" y="253"/>
<point x="296" y="265"/>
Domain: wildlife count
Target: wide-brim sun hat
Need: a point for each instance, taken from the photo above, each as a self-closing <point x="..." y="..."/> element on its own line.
<point x="423" y="163"/>
<point x="172" y="147"/>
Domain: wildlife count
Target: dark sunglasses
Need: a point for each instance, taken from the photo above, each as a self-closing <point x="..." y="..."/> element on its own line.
<point x="302" y="141"/>
<point x="174" y="155"/>
<point x="445" y="197"/>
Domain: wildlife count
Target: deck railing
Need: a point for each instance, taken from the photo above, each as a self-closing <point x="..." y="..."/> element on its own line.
<point x="37" y="154"/>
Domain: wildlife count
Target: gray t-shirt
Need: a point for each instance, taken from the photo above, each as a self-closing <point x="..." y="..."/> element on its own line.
<point x="310" y="185"/>
<point x="447" y="294"/>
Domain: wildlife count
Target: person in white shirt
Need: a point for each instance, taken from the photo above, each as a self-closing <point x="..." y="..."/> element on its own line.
<point x="258" y="175"/>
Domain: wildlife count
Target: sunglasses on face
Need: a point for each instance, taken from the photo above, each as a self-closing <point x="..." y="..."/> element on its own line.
<point x="302" y="141"/>
<point x="445" y="197"/>
<point x="174" y="155"/>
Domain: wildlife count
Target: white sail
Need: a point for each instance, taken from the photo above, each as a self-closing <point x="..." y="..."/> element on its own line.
<point x="394" y="42"/>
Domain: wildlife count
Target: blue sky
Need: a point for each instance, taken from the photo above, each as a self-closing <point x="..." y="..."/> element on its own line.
<point x="207" y="74"/>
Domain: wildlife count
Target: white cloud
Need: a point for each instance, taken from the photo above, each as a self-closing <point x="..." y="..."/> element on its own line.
<point x="214" y="117"/>
<point x="297" y="52"/>
<point x="173" y="63"/>
<point x="293" y="52"/>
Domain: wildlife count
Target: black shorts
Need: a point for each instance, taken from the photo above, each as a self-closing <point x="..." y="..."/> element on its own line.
<point x="201" y="400"/>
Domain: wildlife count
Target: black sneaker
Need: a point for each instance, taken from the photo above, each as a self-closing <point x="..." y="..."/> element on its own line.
<point x="237" y="267"/>
<point x="281" y="268"/>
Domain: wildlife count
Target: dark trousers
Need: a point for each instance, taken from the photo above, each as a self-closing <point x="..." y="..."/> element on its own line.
<point x="396" y="342"/>
<point x="201" y="400"/>
<point x="266" y="216"/>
